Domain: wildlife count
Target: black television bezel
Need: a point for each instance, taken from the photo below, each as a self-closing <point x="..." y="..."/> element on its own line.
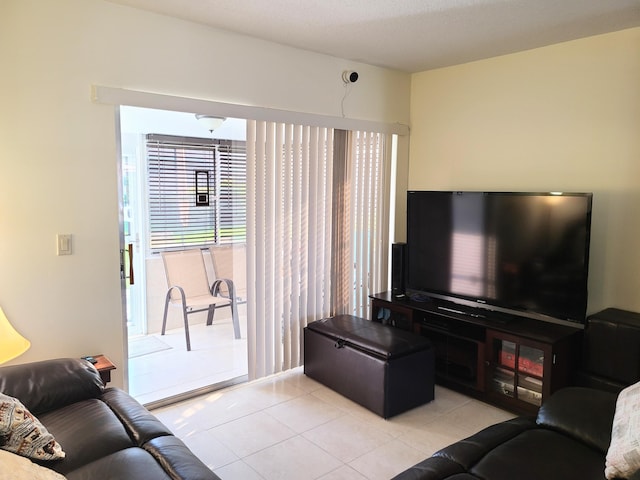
<point x="480" y="305"/>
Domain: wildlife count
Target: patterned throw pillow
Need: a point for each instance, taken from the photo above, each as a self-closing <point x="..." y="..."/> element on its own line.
<point x="15" y="467"/>
<point x="623" y="457"/>
<point x="22" y="433"/>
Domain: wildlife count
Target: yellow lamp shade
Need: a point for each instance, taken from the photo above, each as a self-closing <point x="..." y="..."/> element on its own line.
<point x="12" y="344"/>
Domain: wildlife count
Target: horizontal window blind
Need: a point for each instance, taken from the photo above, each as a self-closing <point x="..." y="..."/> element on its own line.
<point x="231" y="179"/>
<point x="197" y="192"/>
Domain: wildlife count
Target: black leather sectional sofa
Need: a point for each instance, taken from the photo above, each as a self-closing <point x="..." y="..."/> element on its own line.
<point x="104" y="432"/>
<point x="571" y="434"/>
<point x="568" y="440"/>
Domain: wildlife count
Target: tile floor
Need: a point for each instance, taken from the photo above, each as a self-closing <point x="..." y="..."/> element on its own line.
<point x="288" y="426"/>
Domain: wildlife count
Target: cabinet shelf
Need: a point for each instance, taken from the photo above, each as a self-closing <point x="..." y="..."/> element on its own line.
<point x="458" y="358"/>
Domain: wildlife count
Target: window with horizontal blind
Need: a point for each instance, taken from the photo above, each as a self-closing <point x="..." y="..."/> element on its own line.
<point x="197" y="192"/>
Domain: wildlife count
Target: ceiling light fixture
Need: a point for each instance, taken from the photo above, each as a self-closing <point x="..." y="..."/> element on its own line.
<point x="211" y="122"/>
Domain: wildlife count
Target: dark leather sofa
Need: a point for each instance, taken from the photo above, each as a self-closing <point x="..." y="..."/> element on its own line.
<point x="568" y="440"/>
<point x="105" y="433"/>
<point x="570" y="437"/>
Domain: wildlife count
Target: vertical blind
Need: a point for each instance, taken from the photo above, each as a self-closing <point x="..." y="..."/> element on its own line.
<point x="360" y="220"/>
<point x="301" y="215"/>
<point x="197" y="192"/>
<point x="288" y="239"/>
<point x="370" y="180"/>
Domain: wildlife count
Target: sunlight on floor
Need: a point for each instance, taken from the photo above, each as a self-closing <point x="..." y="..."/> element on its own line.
<point x="160" y="365"/>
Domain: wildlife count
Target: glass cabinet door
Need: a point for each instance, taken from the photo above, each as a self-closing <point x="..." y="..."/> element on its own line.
<point x="518" y="371"/>
<point x="530" y="371"/>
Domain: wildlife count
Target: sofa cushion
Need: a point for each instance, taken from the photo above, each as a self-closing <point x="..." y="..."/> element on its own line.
<point x="22" y="433"/>
<point x="17" y="467"/>
<point x="131" y="463"/>
<point x="623" y="456"/>
<point x="571" y="412"/>
<point x="50" y="384"/>
<point x="88" y="430"/>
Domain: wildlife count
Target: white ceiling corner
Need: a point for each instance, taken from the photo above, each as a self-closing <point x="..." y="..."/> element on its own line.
<point x="407" y="35"/>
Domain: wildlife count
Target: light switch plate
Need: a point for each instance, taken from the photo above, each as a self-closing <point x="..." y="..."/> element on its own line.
<point x="63" y="243"/>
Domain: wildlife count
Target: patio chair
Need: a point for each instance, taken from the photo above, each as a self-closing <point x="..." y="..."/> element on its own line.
<point x="230" y="263"/>
<point x="230" y="266"/>
<point x="189" y="289"/>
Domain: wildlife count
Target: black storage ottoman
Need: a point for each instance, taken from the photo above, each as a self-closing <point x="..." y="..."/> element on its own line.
<point x="382" y="368"/>
<point x="611" y="356"/>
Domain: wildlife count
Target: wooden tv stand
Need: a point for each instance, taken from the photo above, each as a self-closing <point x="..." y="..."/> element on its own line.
<point x="509" y="361"/>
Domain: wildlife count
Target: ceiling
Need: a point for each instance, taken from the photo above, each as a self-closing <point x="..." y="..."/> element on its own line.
<point x="407" y="35"/>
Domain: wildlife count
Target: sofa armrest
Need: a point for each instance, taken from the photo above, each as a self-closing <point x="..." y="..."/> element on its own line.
<point x="141" y="425"/>
<point x="584" y="414"/>
<point x="457" y="459"/>
<point x="432" y="468"/>
<point x="471" y="450"/>
<point x="51" y="384"/>
<point x="177" y="460"/>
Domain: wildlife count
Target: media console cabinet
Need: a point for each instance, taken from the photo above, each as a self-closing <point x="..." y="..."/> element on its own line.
<point x="511" y="362"/>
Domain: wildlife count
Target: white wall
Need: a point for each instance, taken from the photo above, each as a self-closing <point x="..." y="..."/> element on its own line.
<point x="560" y="118"/>
<point x="58" y="149"/>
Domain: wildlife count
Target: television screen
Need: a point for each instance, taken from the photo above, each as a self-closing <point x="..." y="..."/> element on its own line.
<point x="515" y="252"/>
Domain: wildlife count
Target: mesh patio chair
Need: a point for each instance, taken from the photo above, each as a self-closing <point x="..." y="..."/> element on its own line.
<point x="189" y="289"/>
<point x="230" y="265"/>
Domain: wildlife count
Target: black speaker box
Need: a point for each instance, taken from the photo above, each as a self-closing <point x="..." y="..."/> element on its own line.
<point x="398" y="268"/>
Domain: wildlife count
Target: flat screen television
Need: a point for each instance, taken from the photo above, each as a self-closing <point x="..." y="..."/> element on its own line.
<point x="516" y="253"/>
